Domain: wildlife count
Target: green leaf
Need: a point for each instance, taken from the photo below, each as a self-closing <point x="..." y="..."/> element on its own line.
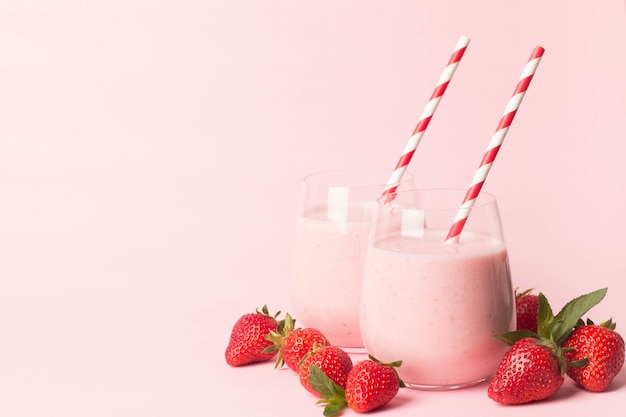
<point x="578" y="364"/>
<point x="270" y="349"/>
<point x="333" y="396"/>
<point x="332" y="410"/>
<point x="394" y="364"/>
<point x="322" y="383"/>
<point x="511" y="337"/>
<point x="574" y="310"/>
<point x="609" y="324"/>
<point x="545" y="316"/>
<point x="286" y="325"/>
<point x="523" y="293"/>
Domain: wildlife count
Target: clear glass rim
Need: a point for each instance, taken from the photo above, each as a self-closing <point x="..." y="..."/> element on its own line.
<point x="484" y="198"/>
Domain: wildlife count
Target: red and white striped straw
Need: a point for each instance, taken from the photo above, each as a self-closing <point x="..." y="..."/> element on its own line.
<point x="426" y="116"/>
<point x="494" y="144"/>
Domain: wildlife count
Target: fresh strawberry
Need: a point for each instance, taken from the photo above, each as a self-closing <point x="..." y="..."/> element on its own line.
<point x="372" y="384"/>
<point x="533" y="368"/>
<point x="333" y="361"/>
<point x="248" y="338"/>
<point x="529" y="371"/>
<point x="526" y="306"/>
<point x="299" y="343"/>
<point x="293" y="344"/>
<point x="601" y="351"/>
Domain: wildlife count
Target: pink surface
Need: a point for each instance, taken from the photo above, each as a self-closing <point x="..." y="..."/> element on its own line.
<point x="150" y="154"/>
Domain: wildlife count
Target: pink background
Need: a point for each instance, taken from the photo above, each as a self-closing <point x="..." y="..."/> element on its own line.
<point x="150" y="153"/>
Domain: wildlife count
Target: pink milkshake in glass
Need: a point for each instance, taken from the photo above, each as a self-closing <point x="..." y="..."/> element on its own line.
<point x="436" y="306"/>
<point x="332" y="232"/>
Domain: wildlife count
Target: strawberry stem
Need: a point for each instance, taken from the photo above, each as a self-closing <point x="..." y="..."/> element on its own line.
<point x="523" y="293"/>
<point x="284" y="328"/>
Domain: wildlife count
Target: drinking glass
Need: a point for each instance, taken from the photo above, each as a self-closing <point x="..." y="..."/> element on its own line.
<point x="333" y="223"/>
<point x="433" y="304"/>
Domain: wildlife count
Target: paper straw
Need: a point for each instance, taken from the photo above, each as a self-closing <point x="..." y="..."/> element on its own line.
<point x="494" y="144"/>
<point x="426" y="116"/>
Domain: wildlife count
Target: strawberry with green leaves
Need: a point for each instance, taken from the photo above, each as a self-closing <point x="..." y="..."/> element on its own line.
<point x="370" y="385"/>
<point x="293" y="344"/>
<point x="600" y="350"/>
<point x="301" y="342"/>
<point x="534" y="366"/>
<point x="334" y="362"/>
<point x="526" y="307"/>
<point x="248" y="341"/>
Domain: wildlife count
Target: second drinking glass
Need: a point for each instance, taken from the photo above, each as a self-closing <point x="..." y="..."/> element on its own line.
<point x="435" y="304"/>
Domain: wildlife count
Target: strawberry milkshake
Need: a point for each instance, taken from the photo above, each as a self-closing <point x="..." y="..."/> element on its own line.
<point x="329" y="259"/>
<point x="331" y="236"/>
<point x="436" y="306"/>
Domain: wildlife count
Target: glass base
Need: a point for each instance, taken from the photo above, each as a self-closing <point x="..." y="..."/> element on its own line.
<point x="353" y="350"/>
<point x="443" y="387"/>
